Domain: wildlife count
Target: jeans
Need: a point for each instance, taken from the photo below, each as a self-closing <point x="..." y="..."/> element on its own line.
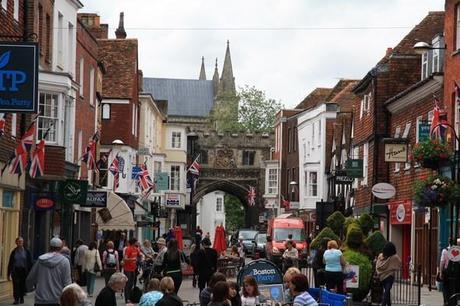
<point x="334" y="280"/>
<point x="90" y="281"/>
<point x="129" y="284"/>
<point x="108" y="273"/>
<point x="387" y="283"/>
<point x="19" y="276"/>
<point x="177" y="279"/>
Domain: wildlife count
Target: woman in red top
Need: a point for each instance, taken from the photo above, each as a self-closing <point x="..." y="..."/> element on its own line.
<point x="130" y="265"/>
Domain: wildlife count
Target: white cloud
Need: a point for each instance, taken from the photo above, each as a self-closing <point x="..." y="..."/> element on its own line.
<point x="286" y="64"/>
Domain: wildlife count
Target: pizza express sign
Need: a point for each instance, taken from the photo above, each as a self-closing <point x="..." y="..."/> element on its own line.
<point x="18" y="77"/>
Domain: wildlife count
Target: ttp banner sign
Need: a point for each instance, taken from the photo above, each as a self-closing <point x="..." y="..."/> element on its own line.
<point x="18" y="77"/>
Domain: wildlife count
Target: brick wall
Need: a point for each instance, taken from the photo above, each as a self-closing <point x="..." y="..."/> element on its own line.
<point x="291" y="160"/>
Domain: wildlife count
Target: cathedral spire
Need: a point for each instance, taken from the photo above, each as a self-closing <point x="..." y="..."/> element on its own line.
<point x="202" y="70"/>
<point x="227" y="81"/>
<point x="215" y="79"/>
<point x="120" y="32"/>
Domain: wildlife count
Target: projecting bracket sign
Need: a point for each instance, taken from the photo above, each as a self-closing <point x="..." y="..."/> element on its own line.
<point x="396" y="150"/>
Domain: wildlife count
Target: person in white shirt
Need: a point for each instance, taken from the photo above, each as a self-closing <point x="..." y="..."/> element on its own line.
<point x="79" y="261"/>
<point x="92" y="257"/>
<point x="290" y="256"/>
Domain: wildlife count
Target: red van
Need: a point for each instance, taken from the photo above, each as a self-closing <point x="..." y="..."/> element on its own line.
<point x="278" y="232"/>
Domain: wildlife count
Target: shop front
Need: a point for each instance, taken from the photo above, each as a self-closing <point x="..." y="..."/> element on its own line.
<point x="400" y="230"/>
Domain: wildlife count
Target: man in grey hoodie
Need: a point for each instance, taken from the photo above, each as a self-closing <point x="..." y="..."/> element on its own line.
<point x="49" y="275"/>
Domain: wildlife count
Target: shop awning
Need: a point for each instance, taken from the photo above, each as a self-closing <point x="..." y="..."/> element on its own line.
<point x="117" y="216"/>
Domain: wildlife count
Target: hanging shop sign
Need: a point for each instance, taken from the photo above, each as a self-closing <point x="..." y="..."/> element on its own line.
<point x="173" y="200"/>
<point x="354" y="168"/>
<point x="43" y="200"/>
<point x="161" y="181"/>
<point x="73" y="191"/>
<point x="95" y="199"/>
<point x="423" y="131"/>
<point x="395" y="152"/>
<point x="18" y="77"/>
<point x="401" y="212"/>
<point x="383" y="191"/>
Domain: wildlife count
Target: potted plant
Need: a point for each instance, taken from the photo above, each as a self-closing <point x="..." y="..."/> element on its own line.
<point x="432" y="153"/>
<point x="436" y="191"/>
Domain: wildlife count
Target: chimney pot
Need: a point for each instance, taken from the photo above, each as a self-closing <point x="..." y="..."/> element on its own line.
<point x="120" y="32"/>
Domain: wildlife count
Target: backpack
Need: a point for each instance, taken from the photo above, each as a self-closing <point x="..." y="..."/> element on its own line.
<point x="111" y="260"/>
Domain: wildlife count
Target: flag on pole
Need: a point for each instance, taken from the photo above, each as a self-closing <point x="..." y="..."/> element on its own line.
<point x="144" y="181"/>
<point x="438" y="127"/>
<point x="115" y="170"/>
<point x="37" y="166"/>
<point x="89" y="157"/>
<point x="195" y="167"/>
<point x="19" y="160"/>
<point x="252" y="196"/>
<point x="2" y="123"/>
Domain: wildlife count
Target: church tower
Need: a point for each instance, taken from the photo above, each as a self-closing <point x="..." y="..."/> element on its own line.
<point x="227" y="80"/>
<point x="202" y="70"/>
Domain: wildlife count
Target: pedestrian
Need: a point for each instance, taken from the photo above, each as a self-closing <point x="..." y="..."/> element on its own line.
<point x="169" y="298"/>
<point x="19" y="265"/>
<point x="120" y="245"/>
<point x="49" y="275"/>
<point x="234" y="293"/>
<point x="110" y="262"/>
<point x="158" y="262"/>
<point x="207" y="263"/>
<point x="318" y="264"/>
<point x="388" y="263"/>
<point x="66" y="251"/>
<point x="74" y="295"/>
<point x="194" y="253"/>
<point x="92" y="266"/>
<point x="130" y="266"/>
<point x="153" y="294"/>
<point x="220" y="294"/>
<point x="79" y="261"/>
<point x="106" y="296"/>
<point x="205" y="294"/>
<point x="250" y="292"/>
<point x="147" y="250"/>
<point x="170" y="235"/>
<point x="333" y="258"/>
<point x="288" y="275"/>
<point x="290" y="256"/>
<point x="198" y="235"/>
<point x="172" y="263"/>
<point x="298" y="287"/>
<point x="444" y="262"/>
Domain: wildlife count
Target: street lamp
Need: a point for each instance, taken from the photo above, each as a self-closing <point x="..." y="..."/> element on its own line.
<point x="422" y="47"/>
<point x="293" y="185"/>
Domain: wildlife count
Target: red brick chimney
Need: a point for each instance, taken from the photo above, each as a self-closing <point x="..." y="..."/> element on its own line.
<point x="389" y="51"/>
<point x="120" y="33"/>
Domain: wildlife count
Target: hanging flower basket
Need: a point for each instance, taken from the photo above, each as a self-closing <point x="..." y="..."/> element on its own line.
<point x="432" y="154"/>
<point x="436" y="191"/>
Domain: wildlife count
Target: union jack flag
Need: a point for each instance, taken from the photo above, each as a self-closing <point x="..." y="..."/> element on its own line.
<point x="2" y="123"/>
<point x="115" y="170"/>
<point x="145" y="182"/>
<point x="90" y="154"/>
<point x="195" y="167"/>
<point x="439" y="121"/>
<point x="252" y="196"/>
<point x="38" y="160"/>
<point x="19" y="160"/>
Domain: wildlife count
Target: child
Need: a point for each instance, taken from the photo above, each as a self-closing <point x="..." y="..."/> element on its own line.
<point x="251" y="295"/>
<point x="234" y="294"/>
<point x="153" y="294"/>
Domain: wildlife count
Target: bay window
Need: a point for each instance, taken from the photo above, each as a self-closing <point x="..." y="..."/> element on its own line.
<point x="272" y="181"/>
<point x="313" y="184"/>
<point x="49" y="116"/>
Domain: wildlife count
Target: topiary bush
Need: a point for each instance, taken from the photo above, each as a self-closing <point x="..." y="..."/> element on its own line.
<point x="325" y="233"/>
<point x="349" y="221"/>
<point x="375" y="243"/>
<point x="355" y="237"/>
<point x="335" y="222"/>
<point x="365" y="273"/>
<point x="366" y="222"/>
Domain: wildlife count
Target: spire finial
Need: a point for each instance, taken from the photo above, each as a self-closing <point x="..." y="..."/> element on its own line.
<point x="216" y="62"/>
<point x="202" y="70"/>
<point x="228" y="43"/>
<point x="120" y="32"/>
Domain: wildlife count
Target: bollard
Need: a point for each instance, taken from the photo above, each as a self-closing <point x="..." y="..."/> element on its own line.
<point x="419" y="284"/>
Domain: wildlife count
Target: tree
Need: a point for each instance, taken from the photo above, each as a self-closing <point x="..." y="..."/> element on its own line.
<point x="234" y="213"/>
<point x="225" y="113"/>
<point x="256" y="111"/>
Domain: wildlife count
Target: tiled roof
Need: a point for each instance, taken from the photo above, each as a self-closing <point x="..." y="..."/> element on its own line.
<point x="345" y="98"/>
<point x="193" y="98"/>
<point x="318" y="95"/>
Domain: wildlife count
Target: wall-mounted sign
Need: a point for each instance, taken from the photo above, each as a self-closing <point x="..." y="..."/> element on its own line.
<point x="162" y="181"/>
<point x="401" y="212"/>
<point x="143" y="151"/>
<point x="354" y="168"/>
<point x="95" y="199"/>
<point x="294" y="205"/>
<point x="343" y="179"/>
<point x="423" y="131"/>
<point x="73" y="191"/>
<point x="173" y="200"/>
<point x="396" y="152"/>
<point x="18" y="77"/>
<point x="43" y="200"/>
<point x="383" y="191"/>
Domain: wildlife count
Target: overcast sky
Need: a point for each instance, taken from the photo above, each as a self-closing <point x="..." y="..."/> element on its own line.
<point x="285" y="47"/>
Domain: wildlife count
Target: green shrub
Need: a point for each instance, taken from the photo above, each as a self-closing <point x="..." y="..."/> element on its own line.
<point x="355" y="237"/>
<point x="375" y="242"/>
<point x="325" y="233"/>
<point x="367" y="223"/>
<point x="349" y="221"/>
<point x="335" y="222"/>
<point x="365" y="273"/>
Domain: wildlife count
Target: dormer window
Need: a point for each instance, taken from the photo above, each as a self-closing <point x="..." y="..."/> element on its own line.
<point x="425" y="66"/>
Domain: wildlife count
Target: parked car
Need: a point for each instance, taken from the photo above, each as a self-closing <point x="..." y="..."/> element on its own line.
<point x="247" y="236"/>
<point x="259" y="244"/>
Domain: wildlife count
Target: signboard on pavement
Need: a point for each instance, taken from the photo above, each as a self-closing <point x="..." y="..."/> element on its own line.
<point x="352" y="276"/>
<point x="265" y="272"/>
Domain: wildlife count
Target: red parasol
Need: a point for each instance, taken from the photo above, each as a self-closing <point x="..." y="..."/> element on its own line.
<point x="178" y="234"/>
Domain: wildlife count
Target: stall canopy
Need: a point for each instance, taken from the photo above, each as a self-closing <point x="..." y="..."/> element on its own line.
<point x="116" y="216"/>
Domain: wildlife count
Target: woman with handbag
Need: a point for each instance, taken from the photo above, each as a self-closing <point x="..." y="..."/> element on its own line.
<point x="173" y="263"/>
<point x="92" y="266"/>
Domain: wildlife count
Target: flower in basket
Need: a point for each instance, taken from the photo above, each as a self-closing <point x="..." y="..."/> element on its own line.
<point x="436" y="191"/>
<point x="431" y="153"/>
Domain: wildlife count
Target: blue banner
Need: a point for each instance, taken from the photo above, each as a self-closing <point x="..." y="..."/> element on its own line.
<point x="265" y="272"/>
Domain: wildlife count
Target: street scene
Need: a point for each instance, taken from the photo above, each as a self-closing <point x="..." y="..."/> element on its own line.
<point x="229" y="153"/>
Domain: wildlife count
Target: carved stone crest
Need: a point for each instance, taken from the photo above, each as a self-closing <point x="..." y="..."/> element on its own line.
<point x="225" y="159"/>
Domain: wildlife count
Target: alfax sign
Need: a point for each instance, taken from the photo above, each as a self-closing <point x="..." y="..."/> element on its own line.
<point x="18" y="77"/>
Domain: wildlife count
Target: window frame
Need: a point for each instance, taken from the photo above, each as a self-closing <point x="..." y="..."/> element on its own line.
<point x="174" y="182"/>
<point x="249" y="157"/>
<point x="81" y="91"/>
<point x="457" y="27"/>
<point x="176" y="139"/>
<point x="15" y="10"/>
<point x="272" y="181"/>
<point x="364" y="181"/>
<point x="219" y="204"/>
<point x="56" y="118"/>
<point x="4" y="4"/>
<point x="106" y="107"/>
<point x="310" y="185"/>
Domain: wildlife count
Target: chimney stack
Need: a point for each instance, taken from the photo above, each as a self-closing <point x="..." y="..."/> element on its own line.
<point x="120" y="32"/>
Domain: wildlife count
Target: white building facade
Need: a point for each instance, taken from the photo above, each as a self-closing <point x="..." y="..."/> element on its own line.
<point x="211" y="212"/>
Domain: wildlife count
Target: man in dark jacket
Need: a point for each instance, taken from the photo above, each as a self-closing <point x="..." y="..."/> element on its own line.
<point x="115" y="284"/>
<point x="19" y="265"/>
<point x="206" y="263"/>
